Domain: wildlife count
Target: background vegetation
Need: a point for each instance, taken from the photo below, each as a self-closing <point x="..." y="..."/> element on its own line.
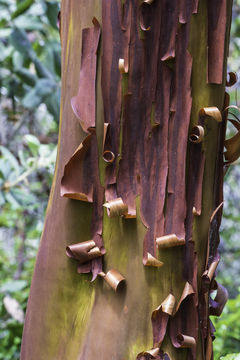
<point x="29" y="111"/>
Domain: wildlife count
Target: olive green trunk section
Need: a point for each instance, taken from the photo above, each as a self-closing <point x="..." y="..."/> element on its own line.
<point x="67" y="314"/>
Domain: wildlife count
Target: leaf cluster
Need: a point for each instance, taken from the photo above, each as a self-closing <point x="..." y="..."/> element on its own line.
<point x="30" y="54"/>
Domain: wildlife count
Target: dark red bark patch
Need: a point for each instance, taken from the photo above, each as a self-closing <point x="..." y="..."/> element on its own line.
<point x="217" y="22"/>
<point x="84" y="103"/>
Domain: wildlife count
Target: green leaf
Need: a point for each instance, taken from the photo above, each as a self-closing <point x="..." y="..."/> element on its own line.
<point x="53" y="103"/>
<point x="22" y="7"/>
<point x="10" y="158"/>
<point x="41" y="70"/>
<point x="12" y="201"/>
<point x="20" y="41"/>
<point x="26" y="76"/>
<point x="33" y="143"/>
<point x="52" y="12"/>
<point x="57" y="62"/>
<point x="22" y="158"/>
<point x="31" y="100"/>
<point x="13" y="286"/>
<point x="2" y="199"/>
<point x="18" y="60"/>
<point x="36" y="96"/>
<point x="23" y="196"/>
<point x="30" y="23"/>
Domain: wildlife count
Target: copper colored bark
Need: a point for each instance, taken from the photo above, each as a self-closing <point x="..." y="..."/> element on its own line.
<point x="217" y="25"/>
<point x="161" y="130"/>
<point x="84" y="103"/>
<point x="80" y="167"/>
<point x="155" y="113"/>
<point x="160" y="318"/>
<point x="176" y="202"/>
<point x="115" y="42"/>
<point x="217" y="304"/>
<point x="179" y="329"/>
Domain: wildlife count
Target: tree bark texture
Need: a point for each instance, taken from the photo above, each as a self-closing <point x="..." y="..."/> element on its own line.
<point x="139" y="78"/>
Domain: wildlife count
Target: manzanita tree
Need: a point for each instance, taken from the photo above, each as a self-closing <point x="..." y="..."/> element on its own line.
<point x="137" y="194"/>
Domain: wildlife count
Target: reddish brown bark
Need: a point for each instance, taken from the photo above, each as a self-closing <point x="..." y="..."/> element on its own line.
<point x="149" y="96"/>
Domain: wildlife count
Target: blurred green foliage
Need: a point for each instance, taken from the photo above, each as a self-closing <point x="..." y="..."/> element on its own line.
<point x="30" y="69"/>
<point x="29" y="110"/>
<point x="230" y="357"/>
<point x="234" y="59"/>
<point x="228" y="331"/>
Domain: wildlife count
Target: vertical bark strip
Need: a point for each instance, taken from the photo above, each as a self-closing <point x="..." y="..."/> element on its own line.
<point x="217" y="25"/>
<point x="139" y="95"/>
<point x="115" y="39"/>
<point x="176" y="202"/>
<point x="83" y="104"/>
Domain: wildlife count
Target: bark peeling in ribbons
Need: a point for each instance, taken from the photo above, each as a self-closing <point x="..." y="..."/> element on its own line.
<point x="81" y="180"/>
<point x="152" y="149"/>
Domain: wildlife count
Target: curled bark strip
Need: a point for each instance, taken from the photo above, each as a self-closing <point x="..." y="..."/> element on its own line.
<point x="197" y="134"/>
<point x="208" y="275"/>
<point x="169" y="25"/>
<point x="168" y="305"/>
<point x="84" y="252"/>
<point x="187" y="291"/>
<point x="213" y="234"/>
<point x="232" y="144"/>
<point x="94" y="263"/>
<point x="145" y="15"/>
<point x="105" y="133"/>
<point x="160" y="318"/>
<point x="217" y="23"/>
<point x="84" y="103"/>
<point x="185" y="320"/>
<point x="81" y="182"/>
<point x="149" y="260"/>
<point x="217" y="305"/>
<point x="212" y="329"/>
<point x="186" y="341"/>
<point x="114" y="279"/>
<point x="211" y="111"/>
<point x="186" y="9"/>
<point x="108" y="156"/>
<point x="148" y="1"/>
<point x="232" y="79"/>
<point x="116" y="207"/>
<point x="195" y="212"/>
<point x="233" y="107"/>
<point x="168" y="241"/>
<point x="78" y="169"/>
<point x="149" y="354"/>
<point x="234" y="122"/>
<point x="233" y="148"/>
<point x="123" y="66"/>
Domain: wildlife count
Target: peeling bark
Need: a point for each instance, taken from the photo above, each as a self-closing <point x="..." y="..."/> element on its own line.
<point x="141" y="195"/>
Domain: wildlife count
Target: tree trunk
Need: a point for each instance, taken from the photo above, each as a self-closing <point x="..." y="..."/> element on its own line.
<point x="158" y="70"/>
